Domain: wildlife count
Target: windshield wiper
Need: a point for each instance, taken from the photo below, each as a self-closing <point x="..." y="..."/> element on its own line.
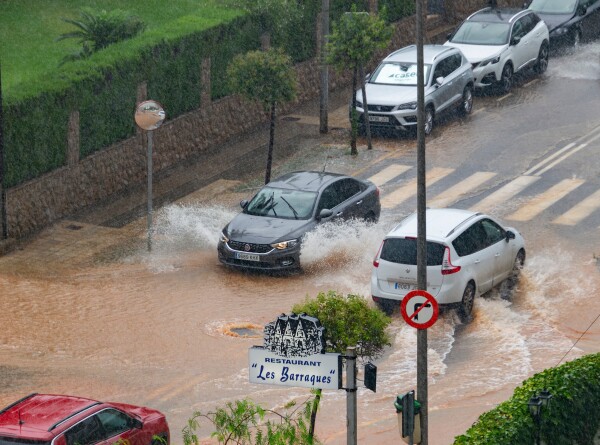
<point x="291" y="207"/>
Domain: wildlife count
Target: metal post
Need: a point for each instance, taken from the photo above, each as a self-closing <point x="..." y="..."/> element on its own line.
<point x="421" y="227"/>
<point x="149" y="174"/>
<point x="351" y="413"/>
<point x="324" y="96"/>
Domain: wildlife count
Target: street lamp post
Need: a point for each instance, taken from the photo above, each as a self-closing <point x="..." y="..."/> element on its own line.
<point x="149" y="115"/>
<point x="537" y="404"/>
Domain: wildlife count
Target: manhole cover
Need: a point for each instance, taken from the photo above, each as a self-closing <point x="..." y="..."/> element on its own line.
<point x="244" y="330"/>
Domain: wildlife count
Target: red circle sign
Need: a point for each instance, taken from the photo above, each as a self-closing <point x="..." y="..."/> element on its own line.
<point x="419" y="309"/>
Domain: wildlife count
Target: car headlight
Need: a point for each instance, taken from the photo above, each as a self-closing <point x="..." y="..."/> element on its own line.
<point x="492" y="61"/>
<point x="285" y="244"/>
<point x="223" y="238"/>
<point x="408" y="106"/>
<point x="559" y="31"/>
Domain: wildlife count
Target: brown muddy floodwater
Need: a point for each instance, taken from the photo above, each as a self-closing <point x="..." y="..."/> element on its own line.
<point x="171" y="329"/>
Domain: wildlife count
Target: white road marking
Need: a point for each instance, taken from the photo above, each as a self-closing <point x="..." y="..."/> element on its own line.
<point x="410" y="189"/>
<point x="455" y="192"/>
<point x="544" y="200"/>
<point x="504" y="193"/>
<point x="580" y="211"/>
<point x="388" y="173"/>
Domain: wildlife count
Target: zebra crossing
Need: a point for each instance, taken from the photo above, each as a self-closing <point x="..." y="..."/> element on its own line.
<point x="530" y="205"/>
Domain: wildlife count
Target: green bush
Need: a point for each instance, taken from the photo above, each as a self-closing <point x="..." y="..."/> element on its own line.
<point x="573" y="416"/>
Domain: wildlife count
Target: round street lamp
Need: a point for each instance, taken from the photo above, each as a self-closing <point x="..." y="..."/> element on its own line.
<point x="149" y="115"/>
<point x="537" y="404"/>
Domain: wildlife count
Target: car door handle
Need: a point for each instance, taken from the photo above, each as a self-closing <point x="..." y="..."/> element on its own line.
<point x="477" y="261"/>
<point x="359" y="202"/>
<point x="497" y="255"/>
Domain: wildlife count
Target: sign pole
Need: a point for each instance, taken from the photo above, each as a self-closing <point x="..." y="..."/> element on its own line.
<point x="351" y="413"/>
<point x="421" y="225"/>
<point x="149" y="178"/>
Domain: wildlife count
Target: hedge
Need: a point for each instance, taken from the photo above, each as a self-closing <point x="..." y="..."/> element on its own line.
<point x="573" y="416"/>
<point x="103" y="88"/>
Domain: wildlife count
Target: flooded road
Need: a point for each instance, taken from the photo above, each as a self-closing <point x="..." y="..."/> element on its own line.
<point x="87" y="310"/>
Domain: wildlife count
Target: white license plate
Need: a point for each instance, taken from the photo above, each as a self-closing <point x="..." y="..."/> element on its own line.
<point x="405" y="286"/>
<point x="247" y="256"/>
<point x="379" y="118"/>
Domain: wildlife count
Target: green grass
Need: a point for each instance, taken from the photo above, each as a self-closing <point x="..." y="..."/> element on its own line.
<point x="29" y="28"/>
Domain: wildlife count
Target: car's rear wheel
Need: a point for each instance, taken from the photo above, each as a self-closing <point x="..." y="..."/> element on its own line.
<point x="468" y="300"/>
<point x="388" y="307"/>
<point x="429" y="117"/>
<point x="541" y="65"/>
<point x="466" y="104"/>
<point x="506" y="79"/>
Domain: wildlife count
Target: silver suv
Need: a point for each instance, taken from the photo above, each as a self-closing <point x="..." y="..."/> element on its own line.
<point x="391" y="89"/>
<point x="467" y="253"/>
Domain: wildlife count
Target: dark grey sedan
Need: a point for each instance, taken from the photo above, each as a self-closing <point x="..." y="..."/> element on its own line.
<point x="268" y="233"/>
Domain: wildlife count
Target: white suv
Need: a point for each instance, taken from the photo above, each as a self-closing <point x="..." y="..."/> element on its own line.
<point x="501" y="42"/>
<point x="467" y="253"/>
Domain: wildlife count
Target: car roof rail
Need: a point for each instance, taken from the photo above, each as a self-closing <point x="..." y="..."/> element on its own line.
<point x="18" y="401"/>
<point x="463" y="222"/>
<point x="72" y="415"/>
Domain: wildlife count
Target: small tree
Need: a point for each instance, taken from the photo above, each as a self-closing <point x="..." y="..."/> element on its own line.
<point x="98" y="29"/>
<point x="244" y="422"/>
<point x="354" y="41"/>
<point x="348" y="321"/>
<point x="267" y="77"/>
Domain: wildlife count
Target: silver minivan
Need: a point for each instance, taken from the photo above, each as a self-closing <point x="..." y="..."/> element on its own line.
<point x="467" y="253"/>
<point x="391" y="89"/>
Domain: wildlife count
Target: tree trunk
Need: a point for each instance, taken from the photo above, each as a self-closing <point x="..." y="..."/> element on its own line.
<point x="271" y="142"/>
<point x="353" y="117"/>
<point x="313" y="414"/>
<point x="365" y="107"/>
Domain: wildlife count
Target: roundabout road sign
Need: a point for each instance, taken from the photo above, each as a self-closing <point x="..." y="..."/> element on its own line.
<point x="419" y="309"/>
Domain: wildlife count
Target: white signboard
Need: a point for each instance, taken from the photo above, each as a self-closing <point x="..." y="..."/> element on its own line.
<point x="312" y="371"/>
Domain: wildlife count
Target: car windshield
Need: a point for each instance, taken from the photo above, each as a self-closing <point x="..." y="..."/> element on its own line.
<point x="282" y="203"/>
<point x="397" y="73"/>
<point x="553" y="6"/>
<point x="17" y="441"/>
<point x="482" y="33"/>
<point x="404" y="251"/>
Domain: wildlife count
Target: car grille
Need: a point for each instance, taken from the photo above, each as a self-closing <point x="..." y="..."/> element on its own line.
<point x="410" y="119"/>
<point x="385" y="108"/>
<point x="254" y="248"/>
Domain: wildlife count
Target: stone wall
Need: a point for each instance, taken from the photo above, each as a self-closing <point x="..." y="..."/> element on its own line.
<point x="81" y="183"/>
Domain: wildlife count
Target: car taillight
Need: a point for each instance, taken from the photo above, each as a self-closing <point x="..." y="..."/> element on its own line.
<point x="447" y="266"/>
<point x="375" y="260"/>
<point x="377" y="191"/>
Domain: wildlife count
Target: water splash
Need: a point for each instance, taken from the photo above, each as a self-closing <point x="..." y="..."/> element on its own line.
<point x="583" y="64"/>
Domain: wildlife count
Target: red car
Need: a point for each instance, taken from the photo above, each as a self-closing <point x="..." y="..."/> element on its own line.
<point x="46" y="419"/>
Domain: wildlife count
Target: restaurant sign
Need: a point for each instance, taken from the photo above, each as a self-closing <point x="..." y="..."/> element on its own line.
<point x="293" y="355"/>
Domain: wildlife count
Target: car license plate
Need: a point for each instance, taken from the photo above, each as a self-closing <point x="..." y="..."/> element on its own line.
<point x="405" y="286"/>
<point x="247" y="256"/>
<point x="379" y="118"/>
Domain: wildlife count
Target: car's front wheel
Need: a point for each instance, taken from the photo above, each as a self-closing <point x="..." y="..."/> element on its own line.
<point x="466" y="104"/>
<point x="429" y="117"/>
<point x="468" y="300"/>
<point x="541" y="65"/>
<point x="506" y="79"/>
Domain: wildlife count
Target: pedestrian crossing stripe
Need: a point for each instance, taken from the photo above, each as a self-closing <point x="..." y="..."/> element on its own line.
<point x="544" y="200"/>
<point x="527" y="211"/>
<point x="410" y="189"/>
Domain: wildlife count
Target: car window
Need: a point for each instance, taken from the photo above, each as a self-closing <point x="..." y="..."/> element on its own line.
<point x="482" y="33"/>
<point x="447" y="66"/>
<point x="348" y="188"/>
<point x="519" y="28"/>
<point x="397" y="73"/>
<point x="114" y="422"/>
<point x="471" y="240"/>
<point x="494" y="232"/>
<point x="404" y="251"/>
<point x="282" y="203"/>
<point x="86" y="432"/>
<point x="331" y="197"/>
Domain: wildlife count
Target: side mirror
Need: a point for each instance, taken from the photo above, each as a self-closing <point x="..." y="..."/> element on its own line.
<point x="243" y="203"/>
<point x="439" y="81"/>
<point x="136" y="423"/>
<point x="509" y="235"/>
<point x="515" y="41"/>
<point x="325" y="213"/>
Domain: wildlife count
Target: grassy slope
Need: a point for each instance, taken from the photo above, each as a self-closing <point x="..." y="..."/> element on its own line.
<point x="28" y="29"/>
